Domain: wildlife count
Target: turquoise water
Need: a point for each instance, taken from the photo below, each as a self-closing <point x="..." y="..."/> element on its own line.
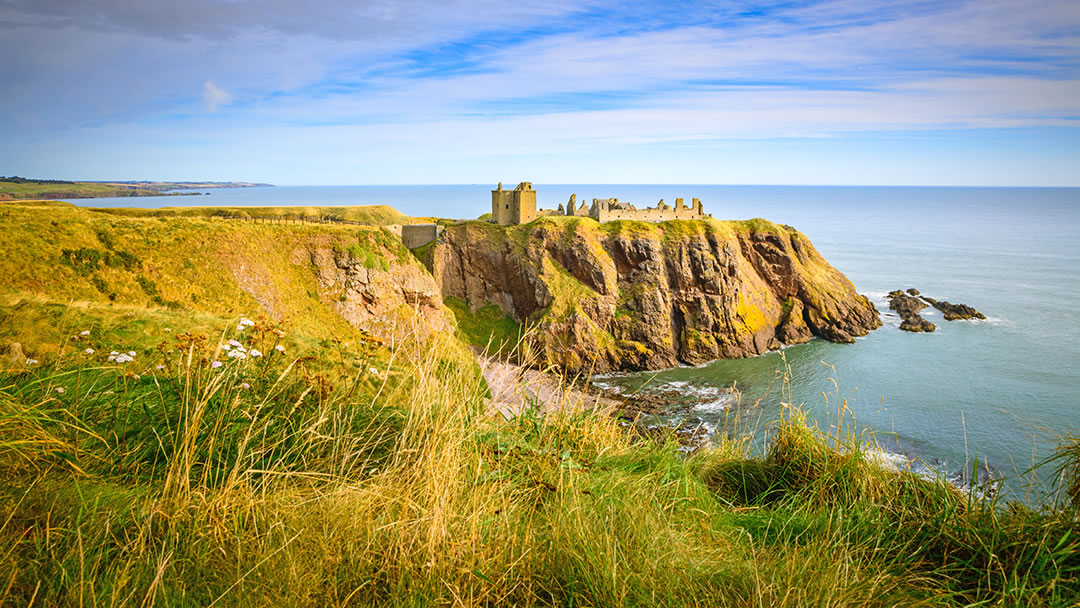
<point x="1001" y="391"/>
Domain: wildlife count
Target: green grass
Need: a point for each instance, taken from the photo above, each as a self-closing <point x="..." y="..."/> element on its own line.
<point x="375" y="215"/>
<point x="488" y="327"/>
<point x="308" y="482"/>
<point x="16" y="191"/>
<point x="125" y="264"/>
<point x="349" y="471"/>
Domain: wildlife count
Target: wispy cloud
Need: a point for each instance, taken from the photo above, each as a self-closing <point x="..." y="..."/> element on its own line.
<point x="412" y="76"/>
<point x="214" y="97"/>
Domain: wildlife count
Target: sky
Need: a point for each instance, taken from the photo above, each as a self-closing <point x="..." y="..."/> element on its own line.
<point x="860" y="92"/>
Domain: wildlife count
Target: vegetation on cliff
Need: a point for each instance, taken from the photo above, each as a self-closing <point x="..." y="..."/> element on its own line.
<point x="635" y="295"/>
<point x="210" y="452"/>
<point x="345" y="477"/>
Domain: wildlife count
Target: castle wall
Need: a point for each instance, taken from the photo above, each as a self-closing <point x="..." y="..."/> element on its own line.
<point x="418" y="235"/>
<point x="648" y="215"/>
<point x="500" y="207"/>
<point x="524" y="206"/>
<point x="517" y="206"/>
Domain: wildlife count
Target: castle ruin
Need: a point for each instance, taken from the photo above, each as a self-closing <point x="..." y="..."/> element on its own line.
<point x="518" y="206"/>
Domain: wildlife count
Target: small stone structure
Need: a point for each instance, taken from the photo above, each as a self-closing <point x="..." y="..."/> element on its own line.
<point x="517" y="206"/>
<point x="415" y="235"/>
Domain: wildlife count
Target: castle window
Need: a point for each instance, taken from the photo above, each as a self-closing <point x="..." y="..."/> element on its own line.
<point x="508" y="206"/>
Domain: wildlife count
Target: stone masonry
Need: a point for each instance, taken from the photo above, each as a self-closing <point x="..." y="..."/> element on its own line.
<point x="518" y="206"/>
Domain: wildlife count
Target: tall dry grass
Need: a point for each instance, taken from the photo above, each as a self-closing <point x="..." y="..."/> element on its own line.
<point x="384" y="478"/>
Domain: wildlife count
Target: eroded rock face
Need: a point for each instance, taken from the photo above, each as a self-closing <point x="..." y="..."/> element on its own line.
<point x="627" y="295"/>
<point x="395" y="301"/>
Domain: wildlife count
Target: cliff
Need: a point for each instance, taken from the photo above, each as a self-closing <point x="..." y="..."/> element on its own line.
<point x="144" y="272"/>
<point x="631" y="295"/>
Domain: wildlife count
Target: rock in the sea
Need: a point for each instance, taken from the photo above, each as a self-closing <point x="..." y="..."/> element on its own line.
<point x="631" y="295"/>
<point x="917" y="324"/>
<point x="908" y="307"/>
<point x="954" y="312"/>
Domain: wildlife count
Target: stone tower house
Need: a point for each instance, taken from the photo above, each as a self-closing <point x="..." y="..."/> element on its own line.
<point x="517" y="206"/>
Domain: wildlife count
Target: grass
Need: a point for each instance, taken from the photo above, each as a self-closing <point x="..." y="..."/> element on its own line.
<point x="310" y="482"/>
<point x="17" y="191"/>
<point x="56" y="255"/>
<point x="375" y="215"/>
<point x="488" y="327"/>
<point x="349" y="471"/>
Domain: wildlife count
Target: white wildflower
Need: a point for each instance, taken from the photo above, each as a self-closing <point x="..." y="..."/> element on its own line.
<point x="88" y="351"/>
<point x="234" y="343"/>
<point x="225" y="347"/>
<point x="131" y="353"/>
<point x="280" y="348"/>
<point x="112" y="357"/>
<point x="85" y="332"/>
<point x="167" y="329"/>
<point x="236" y="353"/>
<point x="114" y="353"/>
<point x="30" y="362"/>
<point x="246" y="322"/>
<point x="60" y="390"/>
<point x="373" y="370"/>
<point x="123" y="358"/>
<point x="245" y="385"/>
<point x="160" y="367"/>
<point x="255" y="353"/>
<point x="215" y="364"/>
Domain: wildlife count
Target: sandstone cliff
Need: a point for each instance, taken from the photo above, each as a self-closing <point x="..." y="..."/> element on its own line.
<point x="632" y="295"/>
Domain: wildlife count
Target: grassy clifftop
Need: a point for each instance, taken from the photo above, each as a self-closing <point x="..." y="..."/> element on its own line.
<point x="374" y="215"/>
<point x="58" y="260"/>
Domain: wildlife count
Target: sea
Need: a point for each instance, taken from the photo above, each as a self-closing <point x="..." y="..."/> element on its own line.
<point x="979" y="402"/>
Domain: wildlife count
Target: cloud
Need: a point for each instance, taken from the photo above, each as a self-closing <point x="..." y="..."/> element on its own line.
<point x="414" y="78"/>
<point x="214" y="96"/>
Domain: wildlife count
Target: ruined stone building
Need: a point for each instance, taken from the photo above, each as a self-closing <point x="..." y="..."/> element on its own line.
<point x="518" y="206"/>
<point x="610" y="209"/>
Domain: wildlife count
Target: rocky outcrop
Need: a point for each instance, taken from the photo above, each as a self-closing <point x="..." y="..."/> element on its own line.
<point x="629" y="295"/>
<point x="955" y="312"/>
<point x="908" y="306"/>
<point x="378" y="290"/>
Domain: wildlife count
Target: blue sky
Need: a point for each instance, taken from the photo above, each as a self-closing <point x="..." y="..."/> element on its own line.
<point x="437" y="91"/>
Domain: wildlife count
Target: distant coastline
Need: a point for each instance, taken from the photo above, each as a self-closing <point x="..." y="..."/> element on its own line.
<point x="20" y="188"/>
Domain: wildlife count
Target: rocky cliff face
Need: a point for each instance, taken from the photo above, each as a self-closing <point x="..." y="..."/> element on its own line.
<point x="390" y="296"/>
<point x="631" y="295"/>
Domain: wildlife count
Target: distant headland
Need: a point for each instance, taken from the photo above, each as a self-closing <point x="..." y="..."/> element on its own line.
<point x="23" y="188"/>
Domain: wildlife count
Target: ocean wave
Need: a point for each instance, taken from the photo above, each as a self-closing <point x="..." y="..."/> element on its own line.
<point x="718" y="405"/>
<point x="887" y="459"/>
<point x="998" y="321"/>
<point x="690" y="389"/>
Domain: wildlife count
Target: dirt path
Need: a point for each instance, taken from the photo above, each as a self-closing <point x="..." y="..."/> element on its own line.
<point x="514" y="389"/>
